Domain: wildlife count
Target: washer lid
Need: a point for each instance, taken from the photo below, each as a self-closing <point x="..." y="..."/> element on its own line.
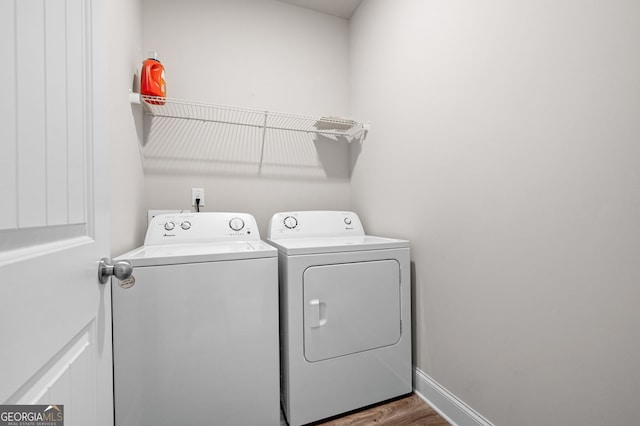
<point x="297" y="246"/>
<point x="198" y="252"/>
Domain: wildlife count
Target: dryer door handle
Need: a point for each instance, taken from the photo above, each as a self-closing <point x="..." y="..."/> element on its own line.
<point x="316" y="319"/>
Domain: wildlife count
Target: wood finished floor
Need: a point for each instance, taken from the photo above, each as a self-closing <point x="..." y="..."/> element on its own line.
<point x="407" y="411"/>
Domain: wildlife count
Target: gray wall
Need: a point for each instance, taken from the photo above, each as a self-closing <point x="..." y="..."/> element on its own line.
<point x="127" y="212"/>
<point x="505" y="145"/>
<point x="254" y="54"/>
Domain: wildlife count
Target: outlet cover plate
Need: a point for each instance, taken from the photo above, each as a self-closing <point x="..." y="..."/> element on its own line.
<point x="197" y="193"/>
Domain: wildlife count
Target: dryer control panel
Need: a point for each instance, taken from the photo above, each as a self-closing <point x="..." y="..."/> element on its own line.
<point x="310" y="224"/>
<point x="184" y="228"/>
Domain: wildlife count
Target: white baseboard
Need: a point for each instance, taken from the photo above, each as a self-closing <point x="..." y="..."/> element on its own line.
<point x="445" y="403"/>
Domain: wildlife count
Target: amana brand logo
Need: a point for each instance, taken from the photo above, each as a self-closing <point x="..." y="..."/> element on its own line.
<point x="31" y="415"/>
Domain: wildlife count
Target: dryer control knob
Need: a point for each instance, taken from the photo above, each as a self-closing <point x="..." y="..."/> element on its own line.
<point x="169" y="226"/>
<point x="290" y="222"/>
<point x="347" y="220"/>
<point x="185" y="225"/>
<point x="236" y="224"/>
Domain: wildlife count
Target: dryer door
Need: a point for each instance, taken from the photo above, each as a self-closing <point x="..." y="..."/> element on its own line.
<point x="351" y="307"/>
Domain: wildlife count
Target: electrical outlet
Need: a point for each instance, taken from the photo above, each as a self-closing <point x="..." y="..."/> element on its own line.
<point x="197" y="193"/>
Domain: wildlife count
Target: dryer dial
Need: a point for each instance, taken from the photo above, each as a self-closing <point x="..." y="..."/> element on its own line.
<point x="169" y="226"/>
<point x="290" y="222"/>
<point x="236" y="224"/>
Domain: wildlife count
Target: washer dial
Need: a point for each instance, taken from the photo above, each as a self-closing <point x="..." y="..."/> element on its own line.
<point x="169" y="226"/>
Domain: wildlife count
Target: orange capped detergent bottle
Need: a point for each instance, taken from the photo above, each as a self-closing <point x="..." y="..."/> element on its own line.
<point x="152" y="81"/>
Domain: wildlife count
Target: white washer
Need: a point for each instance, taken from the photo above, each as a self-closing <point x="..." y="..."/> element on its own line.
<point x="195" y="339"/>
<point x="345" y="314"/>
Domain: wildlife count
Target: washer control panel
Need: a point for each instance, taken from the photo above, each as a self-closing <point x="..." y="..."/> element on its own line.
<point x="309" y="224"/>
<point x="183" y="228"/>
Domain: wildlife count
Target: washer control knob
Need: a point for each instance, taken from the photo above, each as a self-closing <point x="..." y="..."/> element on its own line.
<point x="169" y="226"/>
<point x="185" y="225"/>
<point x="347" y="220"/>
<point x="290" y="222"/>
<point x="236" y="224"/>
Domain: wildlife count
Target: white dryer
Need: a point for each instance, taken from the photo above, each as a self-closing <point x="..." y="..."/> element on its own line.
<point x="195" y="339"/>
<point x="345" y="314"/>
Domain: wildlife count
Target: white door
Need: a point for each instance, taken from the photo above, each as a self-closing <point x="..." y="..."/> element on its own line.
<point x="54" y="316"/>
<point x="350" y="308"/>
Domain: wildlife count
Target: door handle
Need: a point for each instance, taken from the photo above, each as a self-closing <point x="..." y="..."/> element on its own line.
<point x="316" y="319"/>
<point x="121" y="270"/>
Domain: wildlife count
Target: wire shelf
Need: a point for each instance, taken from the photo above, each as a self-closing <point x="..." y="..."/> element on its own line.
<point x="188" y="110"/>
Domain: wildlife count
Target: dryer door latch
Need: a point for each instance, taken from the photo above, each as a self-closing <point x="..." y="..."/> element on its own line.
<point x="317" y="319"/>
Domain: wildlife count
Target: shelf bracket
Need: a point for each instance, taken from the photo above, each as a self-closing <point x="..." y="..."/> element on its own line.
<point x="264" y="138"/>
